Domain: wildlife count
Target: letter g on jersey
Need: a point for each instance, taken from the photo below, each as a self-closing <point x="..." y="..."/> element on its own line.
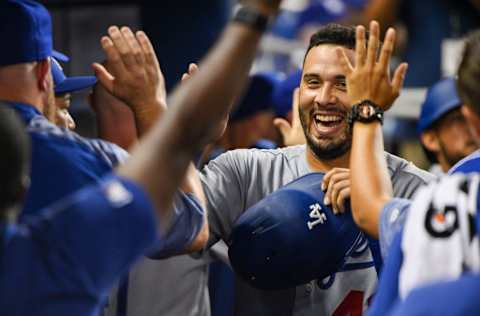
<point x="441" y="224"/>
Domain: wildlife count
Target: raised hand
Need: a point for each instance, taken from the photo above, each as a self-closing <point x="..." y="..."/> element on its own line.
<point x="292" y="134"/>
<point x="133" y="74"/>
<point x="369" y="78"/>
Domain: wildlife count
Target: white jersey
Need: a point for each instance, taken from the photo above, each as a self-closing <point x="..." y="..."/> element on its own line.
<point x="347" y="292"/>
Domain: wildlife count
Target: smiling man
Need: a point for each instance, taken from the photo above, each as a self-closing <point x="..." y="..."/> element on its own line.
<point x="322" y="99"/>
<point x="239" y="179"/>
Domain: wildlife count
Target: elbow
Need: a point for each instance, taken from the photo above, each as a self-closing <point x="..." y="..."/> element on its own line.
<point x="200" y="240"/>
<point x="366" y="215"/>
<point x="361" y="219"/>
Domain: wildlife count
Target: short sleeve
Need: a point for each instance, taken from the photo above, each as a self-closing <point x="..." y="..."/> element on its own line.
<point x="392" y="219"/>
<point x="188" y="218"/>
<point x="224" y="186"/>
<point x="101" y="229"/>
<point x="111" y="153"/>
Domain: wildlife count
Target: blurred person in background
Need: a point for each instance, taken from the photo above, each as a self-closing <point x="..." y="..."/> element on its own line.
<point x="285" y="102"/>
<point x="252" y="116"/>
<point x="442" y="127"/>
<point x="64" y="86"/>
<point x="250" y="123"/>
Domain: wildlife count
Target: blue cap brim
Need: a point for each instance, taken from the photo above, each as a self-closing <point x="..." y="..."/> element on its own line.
<point x="59" y="56"/>
<point x="72" y="84"/>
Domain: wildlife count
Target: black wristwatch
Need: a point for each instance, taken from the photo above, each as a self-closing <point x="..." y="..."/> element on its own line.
<point x="365" y="111"/>
<point x="251" y="17"/>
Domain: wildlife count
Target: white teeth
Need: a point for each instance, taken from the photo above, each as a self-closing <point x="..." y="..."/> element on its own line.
<point x="327" y="118"/>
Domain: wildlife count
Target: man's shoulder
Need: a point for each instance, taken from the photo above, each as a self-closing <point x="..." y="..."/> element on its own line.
<point x="471" y="163"/>
<point x="52" y="137"/>
<point x="399" y="167"/>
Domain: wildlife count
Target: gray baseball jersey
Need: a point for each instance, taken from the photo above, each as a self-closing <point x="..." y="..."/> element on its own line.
<point x="238" y="179"/>
<point x="174" y="286"/>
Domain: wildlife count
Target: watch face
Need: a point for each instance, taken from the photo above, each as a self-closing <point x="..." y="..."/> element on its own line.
<point x="366" y="111"/>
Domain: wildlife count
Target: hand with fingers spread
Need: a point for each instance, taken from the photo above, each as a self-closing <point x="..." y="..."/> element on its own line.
<point x="336" y="185"/>
<point x="133" y="74"/>
<point x="369" y="79"/>
<point x="292" y="134"/>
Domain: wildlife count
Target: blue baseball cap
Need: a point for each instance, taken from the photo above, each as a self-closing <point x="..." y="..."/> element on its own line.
<point x="290" y="237"/>
<point x="441" y="98"/>
<point x="26" y="29"/>
<point x="258" y="96"/>
<point x="64" y="84"/>
<point x="283" y="93"/>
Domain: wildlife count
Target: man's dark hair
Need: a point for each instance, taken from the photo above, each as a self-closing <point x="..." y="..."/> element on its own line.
<point x="14" y="159"/>
<point x="469" y="72"/>
<point x="334" y="34"/>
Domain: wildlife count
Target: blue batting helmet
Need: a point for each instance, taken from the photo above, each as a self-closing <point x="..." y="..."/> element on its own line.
<point x="290" y="237"/>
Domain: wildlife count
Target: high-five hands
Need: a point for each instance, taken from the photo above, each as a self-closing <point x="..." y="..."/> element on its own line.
<point x="369" y="79"/>
<point x="133" y="74"/>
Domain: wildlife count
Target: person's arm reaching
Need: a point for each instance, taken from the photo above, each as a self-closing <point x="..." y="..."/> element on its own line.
<point x="368" y="79"/>
<point x="160" y="161"/>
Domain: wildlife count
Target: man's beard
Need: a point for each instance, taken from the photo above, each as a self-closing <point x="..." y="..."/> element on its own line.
<point x="331" y="150"/>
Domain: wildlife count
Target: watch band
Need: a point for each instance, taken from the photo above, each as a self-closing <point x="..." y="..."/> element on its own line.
<point x="365" y="111"/>
<point x="251" y="17"/>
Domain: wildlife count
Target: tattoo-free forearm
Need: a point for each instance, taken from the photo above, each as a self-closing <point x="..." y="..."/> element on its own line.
<point x="371" y="186"/>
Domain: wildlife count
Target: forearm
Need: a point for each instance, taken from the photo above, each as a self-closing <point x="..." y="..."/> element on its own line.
<point x="146" y="118"/>
<point x="108" y="123"/>
<point x="192" y="184"/>
<point x="369" y="80"/>
<point x="371" y="187"/>
<point x="196" y="107"/>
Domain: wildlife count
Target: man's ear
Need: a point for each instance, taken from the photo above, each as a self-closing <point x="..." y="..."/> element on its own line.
<point x="429" y="139"/>
<point x="44" y="75"/>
